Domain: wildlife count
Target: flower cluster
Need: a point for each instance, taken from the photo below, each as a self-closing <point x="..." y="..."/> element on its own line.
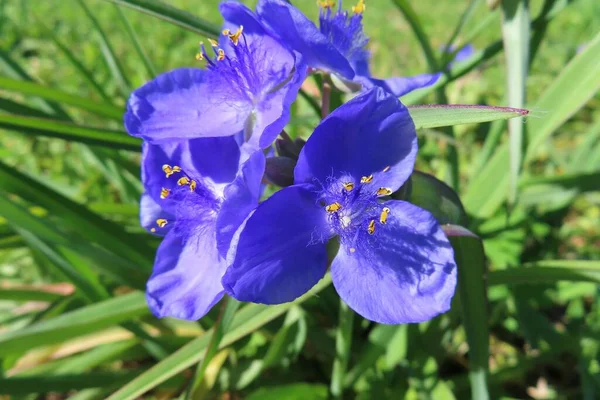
<point x="206" y="133"/>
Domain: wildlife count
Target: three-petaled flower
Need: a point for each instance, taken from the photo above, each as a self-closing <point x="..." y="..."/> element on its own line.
<point x="248" y="87"/>
<point x="338" y="45"/>
<point x="394" y="265"/>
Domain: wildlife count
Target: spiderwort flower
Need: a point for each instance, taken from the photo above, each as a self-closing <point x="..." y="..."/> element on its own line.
<point x="337" y="46"/>
<point x="247" y="87"/>
<point x="197" y="193"/>
<point x="394" y="264"/>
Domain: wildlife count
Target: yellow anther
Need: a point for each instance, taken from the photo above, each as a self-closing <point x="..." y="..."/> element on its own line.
<point x="382" y="191"/>
<point x="213" y="43"/>
<point x="184" y="180"/>
<point x="348" y="186"/>
<point x="152" y="230"/>
<point x="164" y="193"/>
<point x="235" y="37"/>
<point x="221" y="55"/>
<point x="226" y="32"/>
<point x="199" y="56"/>
<point x="161" y="222"/>
<point x="384" y="215"/>
<point x="326" y="3"/>
<point x="366" y="179"/>
<point x="193" y="185"/>
<point x="359" y="8"/>
<point x="170" y="170"/>
<point x="386" y="169"/>
<point x="352" y="250"/>
<point x="333" y="207"/>
<point x="371" y="229"/>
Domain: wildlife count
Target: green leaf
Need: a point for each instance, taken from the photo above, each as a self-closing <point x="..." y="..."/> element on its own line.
<point x="226" y="315"/>
<point x="173" y="15"/>
<point x="295" y="391"/>
<point x="343" y="343"/>
<point x="247" y="320"/>
<point x="63" y="383"/>
<point x="550" y="271"/>
<point x="470" y="261"/>
<point x="576" y="84"/>
<point x="34" y="89"/>
<point x="67" y="131"/>
<point x="428" y="192"/>
<point x="133" y="38"/>
<point x="515" y="35"/>
<point x="28" y="294"/>
<point x="438" y="115"/>
<point x="83" y="321"/>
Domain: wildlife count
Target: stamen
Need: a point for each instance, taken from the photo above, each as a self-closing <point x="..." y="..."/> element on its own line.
<point x="386" y="169"/>
<point x="383" y="191"/>
<point x="333" y="207"/>
<point x="221" y="55"/>
<point x="164" y="193"/>
<point x="170" y="170"/>
<point x="348" y="186"/>
<point x="371" y="229"/>
<point x="184" y="180"/>
<point x="384" y="215"/>
<point x="366" y="179"/>
<point x="152" y="230"/>
<point x="234" y="37"/>
<point x="199" y="57"/>
<point x="161" y="222"/>
<point x="352" y="250"/>
<point x="193" y="185"/>
<point x="213" y="43"/>
<point x="326" y="3"/>
<point x="359" y="8"/>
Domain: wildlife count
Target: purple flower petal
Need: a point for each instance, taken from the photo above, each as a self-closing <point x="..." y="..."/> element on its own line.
<point x="150" y="211"/>
<point x="302" y="35"/>
<point x="400" y="86"/>
<point x="281" y="251"/>
<point x="372" y="134"/>
<point x="186" y="281"/>
<point x="186" y="103"/>
<point x="403" y="272"/>
<point x="240" y="198"/>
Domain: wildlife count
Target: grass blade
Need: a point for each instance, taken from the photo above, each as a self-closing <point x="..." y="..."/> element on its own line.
<point x="470" y="260"/>
<point x="67" y="131"/>
<point x="173" y="15"/>
<point x="343" y="343"/>
<point x="35" y="89"/>
<point x="82" y="321"/>
<point x="438" y="115"/>
<point x="112" y="60"/>
<point x="133" y="37"/>
<point x="549" y="271"/>
<point x="515" y="35"/>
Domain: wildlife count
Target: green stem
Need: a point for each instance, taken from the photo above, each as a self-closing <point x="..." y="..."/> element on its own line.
<point x="343" y="341"/>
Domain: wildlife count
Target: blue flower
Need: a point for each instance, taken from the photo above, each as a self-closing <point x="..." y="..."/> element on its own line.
<point x="394" y="264"/>
<point x="337" y="46"/>
<point x="197" y="193"/>
<point x="248" y="87"/>
<point x="464" y="53"/>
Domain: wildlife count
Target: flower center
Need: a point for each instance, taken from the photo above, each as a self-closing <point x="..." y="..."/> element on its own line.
<point x="343" y="30"/>
<point x="354" y="205"/>
<point x="190" y="199"/>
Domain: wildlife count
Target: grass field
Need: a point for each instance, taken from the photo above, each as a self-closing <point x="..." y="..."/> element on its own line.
<point x="74" y="260"/>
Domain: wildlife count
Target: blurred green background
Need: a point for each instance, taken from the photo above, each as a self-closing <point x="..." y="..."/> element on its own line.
<point x="73" y="259"/>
